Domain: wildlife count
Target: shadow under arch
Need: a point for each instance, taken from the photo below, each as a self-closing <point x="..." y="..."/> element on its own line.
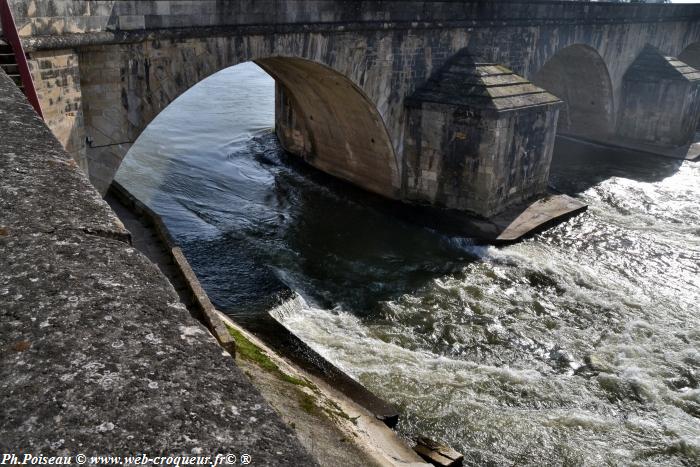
<point x="578" y="75"/>
<point x="322" y="116"/>
<point x="691" y="55"/>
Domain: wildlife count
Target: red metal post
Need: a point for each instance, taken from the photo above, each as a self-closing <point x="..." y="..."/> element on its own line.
<point x="9" y="32"/>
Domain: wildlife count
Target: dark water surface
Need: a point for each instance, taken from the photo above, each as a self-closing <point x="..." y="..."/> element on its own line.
<point x="579" y="346"/>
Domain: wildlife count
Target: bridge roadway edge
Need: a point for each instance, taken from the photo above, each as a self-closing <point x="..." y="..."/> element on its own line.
<point x="98" y="355"/>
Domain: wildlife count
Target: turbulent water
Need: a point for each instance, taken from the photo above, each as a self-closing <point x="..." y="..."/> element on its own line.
<point x="579" y="346"/>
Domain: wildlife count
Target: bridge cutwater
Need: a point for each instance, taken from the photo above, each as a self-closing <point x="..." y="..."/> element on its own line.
<point x="453" y="104"/>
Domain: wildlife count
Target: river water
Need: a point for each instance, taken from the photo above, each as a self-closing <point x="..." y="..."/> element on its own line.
<point x="579" y="346"/>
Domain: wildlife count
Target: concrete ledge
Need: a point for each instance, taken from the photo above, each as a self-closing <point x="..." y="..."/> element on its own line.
<point x="41" y="187"/>
<point x="97" y="354"/>
<point x="200" y="297"/>
<point x="216" y="326"/>
<point x="690" y="152"/>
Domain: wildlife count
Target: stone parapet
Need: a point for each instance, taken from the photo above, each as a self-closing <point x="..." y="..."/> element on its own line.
<point x="67" y="17"/>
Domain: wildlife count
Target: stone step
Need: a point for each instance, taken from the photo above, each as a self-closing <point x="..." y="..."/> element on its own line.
<point x="16" y="78"/>
<point x="7" y="58"/>
<point x="10" y="68"/>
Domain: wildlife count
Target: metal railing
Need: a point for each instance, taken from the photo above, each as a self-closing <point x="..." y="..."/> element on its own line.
<point x="11" y="36"/>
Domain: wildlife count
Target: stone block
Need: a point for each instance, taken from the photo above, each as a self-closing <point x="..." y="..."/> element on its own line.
<point x="131" y="22"/>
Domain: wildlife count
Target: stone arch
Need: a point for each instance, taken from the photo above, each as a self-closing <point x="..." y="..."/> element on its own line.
<point x="322" y="116"/>
<point x="331" y="121"/>
<point x="578" y="75"/>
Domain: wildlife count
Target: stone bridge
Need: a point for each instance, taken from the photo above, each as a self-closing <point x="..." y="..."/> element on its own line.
<point x="446" y="103"/>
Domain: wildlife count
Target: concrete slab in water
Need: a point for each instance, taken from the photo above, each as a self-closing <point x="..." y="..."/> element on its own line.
<point x="518" y="222"/>
<point x="511" y="225"/>
<point x="694" y="149"/>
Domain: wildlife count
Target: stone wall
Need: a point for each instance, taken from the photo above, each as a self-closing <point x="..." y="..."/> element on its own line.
<point x="579" y="77"/>
<point x="52" y="17"/>
<point x="56" y="75"/>
<point x="660" y="100"/>
<point x="135" y="57"/>
<point x="344" y="134"/>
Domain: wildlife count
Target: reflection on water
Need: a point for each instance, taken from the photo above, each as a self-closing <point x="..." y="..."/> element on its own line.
<point x="580" y="345"/>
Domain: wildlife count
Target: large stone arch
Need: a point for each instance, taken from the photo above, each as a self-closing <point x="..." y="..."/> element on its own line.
<point x="578" y="75"/>
<point x="327" y="117"/>
<point x="322" y="116"/>
<point x="108" y="81"/>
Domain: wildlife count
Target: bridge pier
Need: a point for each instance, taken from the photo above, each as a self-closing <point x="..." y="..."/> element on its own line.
<point x="660" y="103"/>
<point x="479" y="139"/>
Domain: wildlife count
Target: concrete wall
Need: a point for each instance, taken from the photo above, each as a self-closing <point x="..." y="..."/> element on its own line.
<point x="135" y="57"/>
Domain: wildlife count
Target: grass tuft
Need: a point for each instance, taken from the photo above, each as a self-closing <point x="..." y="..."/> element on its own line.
<point x="307" y="402"/>
<point x="251" y="352"/>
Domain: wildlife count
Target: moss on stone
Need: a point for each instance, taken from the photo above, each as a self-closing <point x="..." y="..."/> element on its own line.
<point x="251" y="352"/>
<point x="307" y="402"/>
<point x="337" y="411"/>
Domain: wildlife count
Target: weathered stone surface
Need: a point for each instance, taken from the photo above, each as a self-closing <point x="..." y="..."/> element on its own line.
<point x="519" y="221"/>
<point x="579" y="76"/>
<point x="479" y="138"/>
<point x="97" y="355"/>
<point x="57" y="80"/>
<point x="40" y="188"/>
<point x="438" y="453"/>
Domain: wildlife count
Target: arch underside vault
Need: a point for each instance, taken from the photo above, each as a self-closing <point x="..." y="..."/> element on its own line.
<point x="323" y="117"/>
<point x="578" y="75"/>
